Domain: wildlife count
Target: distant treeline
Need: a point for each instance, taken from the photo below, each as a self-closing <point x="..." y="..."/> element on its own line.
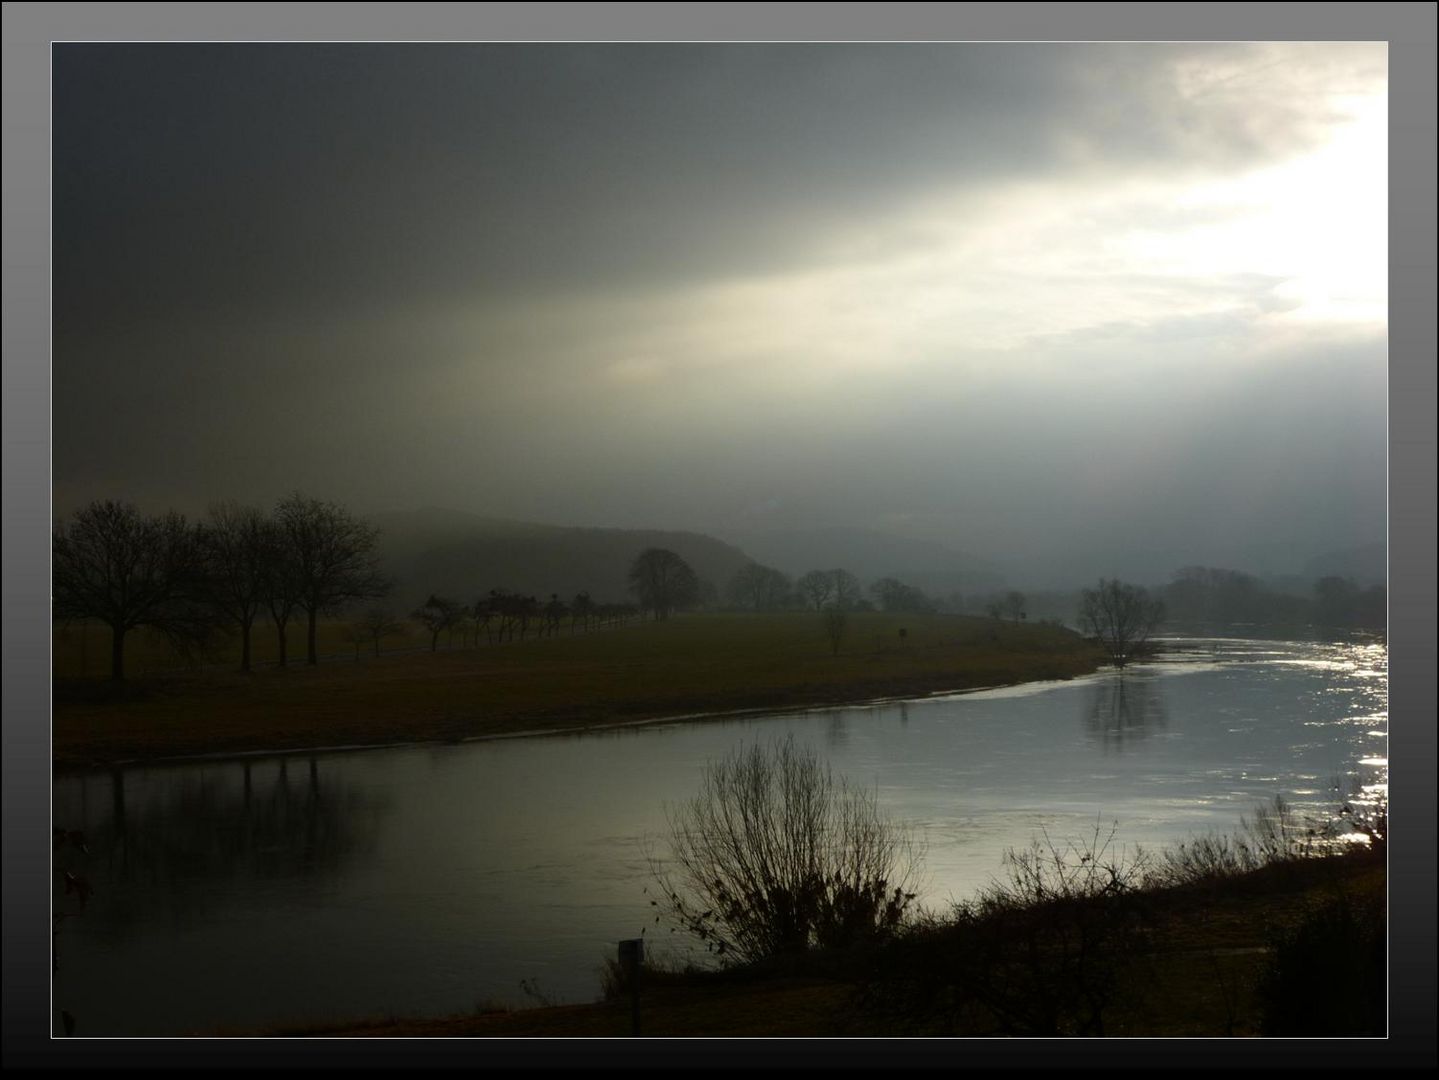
<point x="192" y="581"/>
<point x="1200" y="594"/>
<point x="1196" y="595"/>
<point x="1206" y="597"/>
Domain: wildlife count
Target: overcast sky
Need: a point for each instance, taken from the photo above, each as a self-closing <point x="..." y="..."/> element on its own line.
<point x="1077" y="309"/>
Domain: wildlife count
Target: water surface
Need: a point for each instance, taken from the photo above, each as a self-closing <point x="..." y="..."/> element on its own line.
<point x="304" y="888"/>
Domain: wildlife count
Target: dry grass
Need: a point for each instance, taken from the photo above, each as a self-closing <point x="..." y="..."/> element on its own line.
<point x="690" y="664"/>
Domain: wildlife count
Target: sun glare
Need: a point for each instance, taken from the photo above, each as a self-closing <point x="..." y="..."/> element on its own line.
<point x="1318" y="222"/>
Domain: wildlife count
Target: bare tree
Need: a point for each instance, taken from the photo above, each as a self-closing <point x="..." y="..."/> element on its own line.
<point x="1121" y="617"/>
<point x="836" y="623"/>
<point x="895" y="595"/>
<point x="379" y="623"/>
<point x="774" y="857"/>
<point x="502" y="607"/>
<point x="468" y="627"/>
<point x="355" y="633"/>
<point x="663" y="582"/>
<point x="1014" y="605"/>
<point x="554" y="611"/>
<point x="526" y="609"/>
<point x="762" y="588"/>
<point x="583" y="609"/>
<point x="816" y="587"/>
<point x="242" y="546"/>
<point x="332" y="558"/>
<point x="438" y="614"/>
<point x="847" y="592"/>
<point x="112" y="564"/>
<point x="281" y="590"/>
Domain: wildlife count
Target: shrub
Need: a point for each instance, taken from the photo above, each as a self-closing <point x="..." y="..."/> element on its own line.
<point x="1041" y="951"/>
<point x="1273" y="835"/>
<point x="774" y="857"/>
<point x="1049" y="940"/>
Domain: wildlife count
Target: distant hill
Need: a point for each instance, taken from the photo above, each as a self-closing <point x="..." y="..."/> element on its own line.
<point x="464" y="556"/>
<point x="1365" y="565"/>
<point x="871" y="555"/>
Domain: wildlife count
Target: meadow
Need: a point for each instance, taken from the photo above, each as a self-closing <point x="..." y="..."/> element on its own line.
<point x="689" y="664"/>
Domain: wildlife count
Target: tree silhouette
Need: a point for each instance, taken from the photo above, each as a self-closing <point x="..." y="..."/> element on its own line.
<point x="437" y="615"/>
<point x="845" y="589"/>
<point x="112" y="564"/>
<point x="555" y="610"/>
<point x="762" y="588"/>
<point x="895" y="595"/>
<point x="816" y="587"/>
<point x="663" y="582"/>
<point x="775" y="856"/>
<point x="242" y="546"/>
<point x="1121" y="617"/>
<point x="583" y="609"/>
<point x="527" y="608"/>
<point x="331" y="558"/>
<point x="281" y="589"/>
<point x="836" y="623"/>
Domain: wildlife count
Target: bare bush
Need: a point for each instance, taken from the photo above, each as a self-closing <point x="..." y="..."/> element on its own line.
<point x="1044" y="950"/>
<point x="1053" y="936"/>
<point x="775" y="857"/>
<point x="1273" y="834"/>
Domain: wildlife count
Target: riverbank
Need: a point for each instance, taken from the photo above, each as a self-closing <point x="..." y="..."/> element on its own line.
<point x="689" y="666"/>
<point x="1219" y="956"/>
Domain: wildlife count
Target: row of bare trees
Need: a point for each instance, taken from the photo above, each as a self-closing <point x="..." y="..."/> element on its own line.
<point x="500" y="616"/>
<point x="190" y="581"/>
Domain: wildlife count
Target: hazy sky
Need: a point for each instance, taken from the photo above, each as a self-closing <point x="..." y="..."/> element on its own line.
<point x="1078" y="309"/>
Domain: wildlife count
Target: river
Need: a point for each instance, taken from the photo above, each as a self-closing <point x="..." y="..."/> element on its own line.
<point x="230" y="895"/>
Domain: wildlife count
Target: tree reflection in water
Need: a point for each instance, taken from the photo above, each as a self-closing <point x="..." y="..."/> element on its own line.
<point x="183" y="842"/>
<point x="1124" y="710"/>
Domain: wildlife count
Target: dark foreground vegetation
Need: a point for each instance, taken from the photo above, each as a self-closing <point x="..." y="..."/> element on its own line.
<point x="1294" y="946"/>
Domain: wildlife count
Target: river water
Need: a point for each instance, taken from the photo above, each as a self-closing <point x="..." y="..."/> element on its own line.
<point x="229" y="895"/>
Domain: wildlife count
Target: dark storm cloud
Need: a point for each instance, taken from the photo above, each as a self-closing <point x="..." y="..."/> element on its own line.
<point x="245" y="178"/>
<point x="668" y="285"/>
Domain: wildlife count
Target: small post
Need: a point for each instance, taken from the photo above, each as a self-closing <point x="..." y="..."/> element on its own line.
<point x="632" y="956"/>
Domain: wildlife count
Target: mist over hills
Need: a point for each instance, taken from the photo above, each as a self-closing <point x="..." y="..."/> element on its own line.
<point x="1365" y="565"/>
<point x="464" y="556"/>
<point x="870" y="555"/>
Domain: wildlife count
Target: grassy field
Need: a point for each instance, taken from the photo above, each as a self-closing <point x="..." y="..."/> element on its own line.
<point x="1207" y="949"/>
<point x="688" y="664"/>
<point x="81" y="650"/>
